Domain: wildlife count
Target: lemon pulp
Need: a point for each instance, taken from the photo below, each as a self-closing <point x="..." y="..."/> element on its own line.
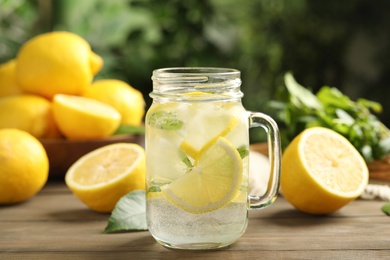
<point x="101" y="177"/>
<point x="322" y="171"/>
<point x="213" y="181"/>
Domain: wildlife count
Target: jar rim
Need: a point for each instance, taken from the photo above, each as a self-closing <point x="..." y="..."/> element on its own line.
<point x="170" y="71"/>
<point x="177" y="82"/>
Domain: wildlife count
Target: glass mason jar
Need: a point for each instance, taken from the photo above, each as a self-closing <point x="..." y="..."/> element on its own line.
<point x="197" y="158"/>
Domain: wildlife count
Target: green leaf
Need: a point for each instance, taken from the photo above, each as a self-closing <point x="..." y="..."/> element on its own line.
<point x="154" y="188"/>
<point x="129" y="129"/>
<point x="129" y="213"/>
<point x="165" y="120"/>
<point x="386" y="209"/>
<point x="243" y="151"/>
<point x="333" y="98"/>
<point x="187" y="162"/>
<point x="300" y="93"/>
<point x="332" y="109"/>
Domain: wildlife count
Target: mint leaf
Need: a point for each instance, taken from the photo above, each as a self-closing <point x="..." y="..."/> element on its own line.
<point x="243" y="151"/>
<point x="129" y="213"/>
<point x="187" y="162"/>
<point x="165" y="120"/>
<point x="154" y="188"/>
<point x="129" y="129"/>
<point x="386" y="209"/>
<point x="301" y="95"/>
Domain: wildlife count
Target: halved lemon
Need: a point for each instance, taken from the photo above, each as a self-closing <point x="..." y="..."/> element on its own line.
<point x="322" y="171"/>
<point x="213" y="181"/>
<point x="82" y="118"/>
<point x="101" y="177"/>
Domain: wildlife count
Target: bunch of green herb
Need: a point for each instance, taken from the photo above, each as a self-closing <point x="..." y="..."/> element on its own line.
<point x="297" y="108"/>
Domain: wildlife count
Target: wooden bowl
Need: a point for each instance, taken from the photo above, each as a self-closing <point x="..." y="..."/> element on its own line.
<point x="63" y="153"/>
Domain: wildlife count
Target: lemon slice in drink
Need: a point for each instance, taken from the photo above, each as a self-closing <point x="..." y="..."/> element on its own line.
<point x="101" y="177"/>
<point x="213" y="181"/>
<point x="191" y="151"/>
<point x="322" y="171"/>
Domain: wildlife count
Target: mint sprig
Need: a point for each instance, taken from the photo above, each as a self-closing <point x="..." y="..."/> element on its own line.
<point x="298" y="108"/>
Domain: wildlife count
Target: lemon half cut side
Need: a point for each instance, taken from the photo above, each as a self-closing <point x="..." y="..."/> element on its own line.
<point x="322" y="171"/>
<point x="101" y="177"/>
<point x="213" y="181"/>
<point x="81" y="118"/>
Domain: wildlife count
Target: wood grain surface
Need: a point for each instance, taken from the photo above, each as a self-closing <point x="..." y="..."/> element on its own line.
<point x="55" y="225"/>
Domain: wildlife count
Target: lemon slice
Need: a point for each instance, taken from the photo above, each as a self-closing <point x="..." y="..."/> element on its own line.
<point x="84" y="118"/>
<point x="101" y="177"/>
<point x="213" y="181"/>
<point x="322" y="171"/>
<point x="191" y="151"/>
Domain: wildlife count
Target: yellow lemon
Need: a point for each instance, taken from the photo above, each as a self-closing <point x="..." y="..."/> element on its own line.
<point x="30" y="113"/>
<point x="84" y="118"/>
<point x="8" y="83"/>
<point x="191" y="151"/>
<point x="24" y="166"/>
<point x="212" y="183"/>
<point x="56" y="62"/>
<point x="101" y="177"/>
<point x="127" y="100"/>
<point x="322" y="171"/>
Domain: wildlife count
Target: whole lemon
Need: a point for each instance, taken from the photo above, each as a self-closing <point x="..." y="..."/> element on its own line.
<point x="56" y="62"/>
<point x="8" y="83"/>
<point x="30" y="113"/>
<point x="24" y="166"/>
<point x="128" y="101"/>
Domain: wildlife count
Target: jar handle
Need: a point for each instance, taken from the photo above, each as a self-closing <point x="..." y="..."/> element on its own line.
<point x="257" y="119"/>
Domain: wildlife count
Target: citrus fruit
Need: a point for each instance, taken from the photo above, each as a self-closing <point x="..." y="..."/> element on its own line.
<point x="24" y="166"/>
<point x="101" y="177"/>
<point x="191" y="151"/>
<point x="30" y="113"/>
<point x="84" y="118"/>
<point x="322" y="171"/>
<point x="56" y="62"/>
<point x="127" y="100"/>
<point x="212" y="182"/>
<point x="8" y="84"/>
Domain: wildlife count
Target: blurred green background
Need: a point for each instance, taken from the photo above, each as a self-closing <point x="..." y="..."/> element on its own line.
<point x="344" y="44"/>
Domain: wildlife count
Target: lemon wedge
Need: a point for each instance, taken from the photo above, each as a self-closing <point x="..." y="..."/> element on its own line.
<point x="191" y="151"/>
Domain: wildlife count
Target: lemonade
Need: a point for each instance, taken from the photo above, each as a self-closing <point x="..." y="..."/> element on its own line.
<point x="197" y="163"/>
<point x="207" y="230"/>
<point x="197" y="124"/>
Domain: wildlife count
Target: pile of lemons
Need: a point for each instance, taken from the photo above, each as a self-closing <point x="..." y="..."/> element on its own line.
<point x="48" y="91"/>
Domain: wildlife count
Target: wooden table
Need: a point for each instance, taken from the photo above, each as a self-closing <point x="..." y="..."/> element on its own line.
<point x="54" y="224"/>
